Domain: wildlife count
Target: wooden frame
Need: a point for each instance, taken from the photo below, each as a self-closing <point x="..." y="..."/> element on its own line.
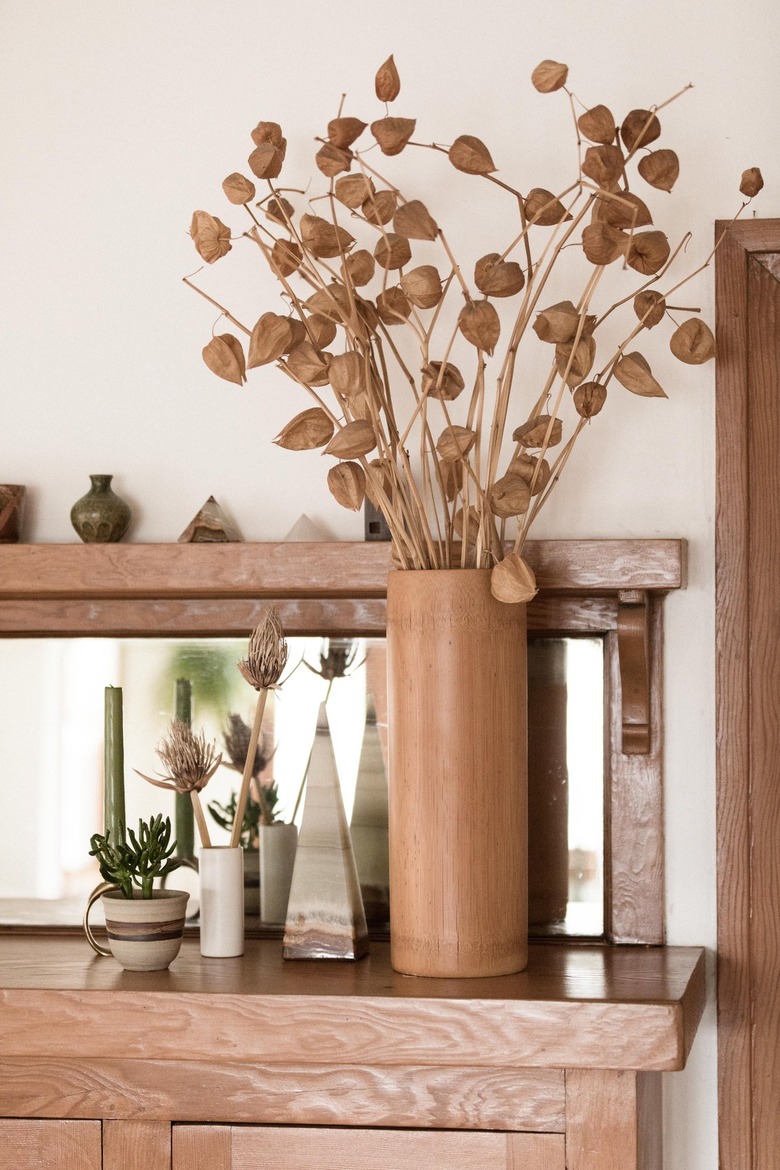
<point x="607" y="588"/>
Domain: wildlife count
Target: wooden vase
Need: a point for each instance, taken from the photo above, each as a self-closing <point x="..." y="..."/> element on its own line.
<point x="457" y="786"/>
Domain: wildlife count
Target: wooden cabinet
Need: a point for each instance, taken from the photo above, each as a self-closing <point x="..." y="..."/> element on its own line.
<point x="50" y="1145"/>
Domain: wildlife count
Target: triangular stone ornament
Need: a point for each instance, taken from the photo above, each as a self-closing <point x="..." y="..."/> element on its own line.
<point x="305" y="529"/>
<point x="325" y="915"/>
<point x="210" y="525"/>
<point x="369" y="827"/>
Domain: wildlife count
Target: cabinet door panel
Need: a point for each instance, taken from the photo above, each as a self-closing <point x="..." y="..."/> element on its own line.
<point x="53" y="1145"/>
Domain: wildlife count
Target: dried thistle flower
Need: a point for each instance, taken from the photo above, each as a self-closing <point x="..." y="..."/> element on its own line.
<point x="267" y="654"/>
<point x="236" y="738"/>
<point x="189" y="760"/>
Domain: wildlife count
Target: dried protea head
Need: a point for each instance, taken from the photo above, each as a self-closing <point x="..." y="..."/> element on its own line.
<point x="236" y="738"/>
<point x="189" y="761"/>
<point x="337" y="657"/>
<point x="267" y="654"/>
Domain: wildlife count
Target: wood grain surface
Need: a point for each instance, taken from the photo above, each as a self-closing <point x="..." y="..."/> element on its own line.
<point x="50" y="1145"/>
<point x="136" y="1145"/>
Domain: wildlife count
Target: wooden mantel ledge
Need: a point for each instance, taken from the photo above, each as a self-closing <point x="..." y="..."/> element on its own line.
<point x="574" y="1007"/>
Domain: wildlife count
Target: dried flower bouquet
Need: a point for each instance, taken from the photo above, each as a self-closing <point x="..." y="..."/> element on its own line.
<point x="365" y="263"/>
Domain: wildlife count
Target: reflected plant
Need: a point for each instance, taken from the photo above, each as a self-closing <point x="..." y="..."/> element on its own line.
<point x="263" y="793"/>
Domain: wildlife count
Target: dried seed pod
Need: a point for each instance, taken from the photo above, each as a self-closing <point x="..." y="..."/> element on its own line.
<point x="308" y="430"/>
<point x="347" y="373"/>
<point x="271" y="337"/>
<point x="604" y="165"/>
<point x="238" y="189"/>
<point x="495" y="277"/>
<point x="360" y="407"/>
<point x="413" y="220"/>
<point x="332" y="302"/>
<point x="535" y="471"/>
<point x="589" y="399"/>
<point x="621" y="209"/>
<point x="752" y="182"/>
<point x="323" y="238"/>
<point x="210" y="236"/>
<point x="279" y="210"/>
<point x="224" y="357"/>
<point x="379" y="481"/>
<point x="598" y="125"/>
<point x="359" y="268"/>
<point x="478" y="322"/>
<point x="392" y="134"/>
<point x="379" y="208"/>
<point x="650" y="307"/>
<point x="470" y="155"/>
<point x="353" y="440"/>
<point x="422" y="286"/>
<point x="266" y="160"/>
<point x="353" y="190"/>
<point x="332" y="160"/>
<point x="267" y="132"/>
<point x="578" y="360"/>
<point x="603" y="244"/>
<point x="512" y="580"/>
<point x="633" y="372"/>
<point x="342" y="132"/>
<point x="308" y="365"/>
<point x="320" y="330"/>
<point x="387" y="83"/>
<point x="558" y="323"/>
<point x="392" y="251"/>
<point x="442" y="380"/>
<point x="534" y="432"/>
<point x="392" y="306"/>
<point x="640" y="128"/>
<point x="347" y="483"/>
<point x="660" y="168"/>
<point x="648" y="252"/>
<point x="693" y="342"/>
<point x="509" y="496"/>
<point x="297" y="333"/>
<point x="549" y="76"/>
<point x="366" y="315"/>
<point x="541" y="207"/>
<point x="286" y="257"/>
<point x="455" y="442"/>
<point x="451" y="479"/>
<point x="472" y="524"/>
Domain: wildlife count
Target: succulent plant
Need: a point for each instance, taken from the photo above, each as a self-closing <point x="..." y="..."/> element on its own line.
<point x="136" y="859"/>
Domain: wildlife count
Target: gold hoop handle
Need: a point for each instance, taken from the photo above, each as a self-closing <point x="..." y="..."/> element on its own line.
<point x="103" y="888"/>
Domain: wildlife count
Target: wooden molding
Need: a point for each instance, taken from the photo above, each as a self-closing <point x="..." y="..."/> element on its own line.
<point x="633" y="628"/>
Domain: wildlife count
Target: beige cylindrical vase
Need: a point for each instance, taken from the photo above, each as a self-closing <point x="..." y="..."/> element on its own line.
<point x="221" y="876"/>
<point x="456" y="668"/>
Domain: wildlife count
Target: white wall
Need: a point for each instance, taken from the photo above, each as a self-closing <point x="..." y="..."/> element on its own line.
<point x="119" y="119"/>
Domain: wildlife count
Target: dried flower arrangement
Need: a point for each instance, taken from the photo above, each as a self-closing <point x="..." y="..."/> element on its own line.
<point x="452" y="493"/>
<point x="263" y="796"/>
<point x="190" y="762"/>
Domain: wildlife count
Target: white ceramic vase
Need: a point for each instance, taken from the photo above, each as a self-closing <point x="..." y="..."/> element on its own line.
<point x="221" y="870"/>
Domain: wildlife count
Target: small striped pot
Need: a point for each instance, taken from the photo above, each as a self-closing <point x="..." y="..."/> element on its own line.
<point x="145" y="934"/>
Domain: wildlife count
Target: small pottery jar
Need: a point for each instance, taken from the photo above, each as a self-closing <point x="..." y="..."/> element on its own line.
<point x="144" y="934"/>
<point x="100" y="517"/>
<point x="11" y="510"/>
<point x="221" y="869"/>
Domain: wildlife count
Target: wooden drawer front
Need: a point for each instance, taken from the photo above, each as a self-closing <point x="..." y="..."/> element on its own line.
<point x="50" y="1145"/>
<point x="269" y="1148"/>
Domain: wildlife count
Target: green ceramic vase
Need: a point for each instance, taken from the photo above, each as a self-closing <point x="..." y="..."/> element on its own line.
<point x="101" y="516"/>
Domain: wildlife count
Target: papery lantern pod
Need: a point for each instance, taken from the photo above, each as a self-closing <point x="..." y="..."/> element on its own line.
<point x="308" y="430"/>
<point x="379" y="482"/>
<point x="359" y="268"/>
<point x="297" y="333"/>
<point x="509" y="496"/>
<point x="392" y="306"/>
<point x="633" y="372"/>
<point x="589" y="399"/>
<point x="660" y="168"/>
<point x="224" y="357"/>
<point x="543" y="208"/>
<point x="472" y="524"/>
<point x="603" y="244"/>
<point x="238" y="189"/>
<point x="470" y="155"/>
<point x="210" y="236"/>
<point x="360" y="406"/>
<point x="279" y="210"/>
<point x="271" y="337"/>
<point x="442" y="380"/>
<point x="495" y="277"/>
<point x="478" y="322"/>
<point x="693" y="342"/>
<point x="549" y="76"/>
<point x="286" y="257"/>
<point x="648" y="252"/>
<point x="422" y="286"/>
<point x="266" y="160"/>
<point x="353" y="190"/>
<point x="323" y="238"/>
<point x="604" y="165"/>
<point x="621" y="209"/>
<point x="367" y="314"/>
<point x="347" y="373"/>
<point x="308" y="365"/>
<point x="558" y="323"/>
<point x="413" y="220"/>
<point x="331" y="302"/>
<point x="598" y="125"/>
<point x="392" y="134"/>
<point x="353" y="440"/>
<point x="752" y="182"/>
<point x="387" y="83"/>
<point x="650" y="307"/>
<point x="347" y="483"/>
<point x="320" y="330"/>
<point x="452" y="479"/>
<point x="528" y="466"/>
<point x="582" y="358"/>
<point x="379" y="208"/>
<point x="392" y="251"/>
<point x="455" y="442"/>
<point x="332" y="160"/>
<point x="640" y="128"/>
<point x="512" y="580"/>
<point x="342" y="132"/>
<point x="534" y="432"/>
<point x="267" y="132"/>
